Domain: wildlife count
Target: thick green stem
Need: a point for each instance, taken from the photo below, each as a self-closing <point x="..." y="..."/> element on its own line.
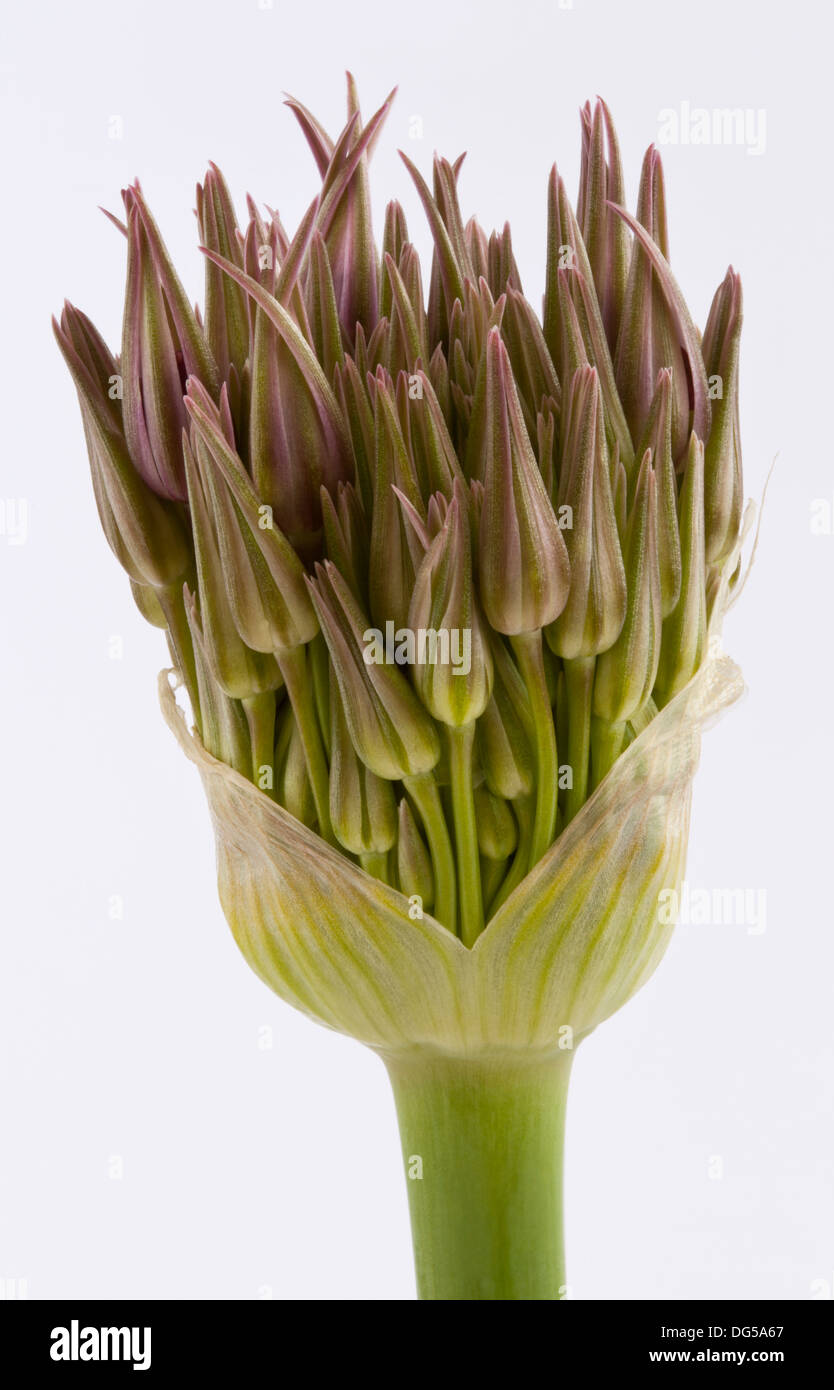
<point x="528" y="649"/>
<point x="260" y="716"/>
<point x="293" y="666"/>
<point x="482" y="1141"/>
<point x="466" y="834"/>
<point x="579" y="686"/>
<point x="426" y="797"/>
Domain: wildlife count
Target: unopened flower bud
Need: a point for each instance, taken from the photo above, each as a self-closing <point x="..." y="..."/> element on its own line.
<point x="658" y="438"/>
<point x="144" y="530"/>
<point x="626" y="672"/>
<point x="162" y="345"/>
<point x="497" y="830"/>
<point x="264" y="577"/>
<point x="391" y="731"/>
<point x="363" y="811"/>
<point x="592" y="618"/>
<point x="524" y="572"/>
<point x="454" y="680"/>
<point x="413" y="860"/>
<point x="685" y="629"/>
<point x="722" y="453"/>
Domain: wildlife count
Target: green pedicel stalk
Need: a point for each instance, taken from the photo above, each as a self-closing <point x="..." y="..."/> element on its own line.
<point x="482" y="1144"/>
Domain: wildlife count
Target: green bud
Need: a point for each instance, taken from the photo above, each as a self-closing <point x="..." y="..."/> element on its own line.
<point x="223" y="726"/>
<point x="391" y="731"/>
<point x="292" y="780"/>
<point x="146" y="600"/>
<point x="504" y="735"/>
<point x="497" y="830"/>
<point x="454" y="680"/>
<point x="626" y="672"/>
<point x="363" y="810"/>
<point x="685" y="629"/>
<point x="395" y="553"/>
<point x="413" y="860"/>
<point x="238" y="670"/>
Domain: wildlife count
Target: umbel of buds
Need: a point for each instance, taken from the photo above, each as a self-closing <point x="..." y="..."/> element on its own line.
<point x="442" y="581"/>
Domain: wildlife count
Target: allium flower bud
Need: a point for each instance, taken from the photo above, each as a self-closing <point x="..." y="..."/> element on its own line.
<point x="413" y="861"/>
<point x="656" y="329"/>
<point x="144" y="531"/>
<point x="592" y="618"/>
<point x="601" y="182"/>
<point x="658" y="438"/>
<point x="264" y="577"/>
<point x="238" y="670"/>
<point x="391" y="731"/>
<point x="722" y="455"/>
<point x="626" y="671"/>
<point x="685" y="629"/>
<point x="497" y="830"/>
<point x="363" y="810"/>
<point x="226" y="315"/>
<point x="162" y="345"/>
<point x="524" y="570"/>
<point x="454" y="677"/>
<point x="297" y="436"/>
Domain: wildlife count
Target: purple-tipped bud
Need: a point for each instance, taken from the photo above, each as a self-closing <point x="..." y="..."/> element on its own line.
<point x="656" y="329"/>
<point x="226" y="313"/>
<point x="600" y="182"/>
<point x="144" y="532"/>
<point x="722" y="455"/>
<point x="524" y="572"/>
<point x="264" y="577"/>
<point x="162" y="345"/>
<point x="592" y="618"/>
<point x="658" y="438"/>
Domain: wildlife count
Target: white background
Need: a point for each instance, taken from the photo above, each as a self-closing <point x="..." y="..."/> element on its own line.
<point x="248" y="1170"/>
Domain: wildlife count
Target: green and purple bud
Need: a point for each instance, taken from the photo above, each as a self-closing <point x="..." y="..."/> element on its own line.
<point x="524" y="571"/>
